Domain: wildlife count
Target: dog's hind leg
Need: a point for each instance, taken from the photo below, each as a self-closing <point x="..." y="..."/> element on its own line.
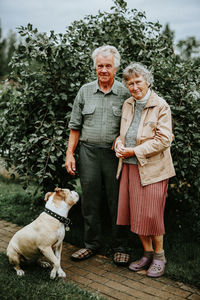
<point x="43" y="263"/>
<point x="14" y="259"/>
<point x="49" y="254"/>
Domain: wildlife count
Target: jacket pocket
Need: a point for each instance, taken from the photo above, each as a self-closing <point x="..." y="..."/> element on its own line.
<point x="149" y="129"/>
<point x="156" y="157"/>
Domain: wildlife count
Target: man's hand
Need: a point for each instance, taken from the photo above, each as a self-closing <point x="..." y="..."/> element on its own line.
<point x="70" y="164"/>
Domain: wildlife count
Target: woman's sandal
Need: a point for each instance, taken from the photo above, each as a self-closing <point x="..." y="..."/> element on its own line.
<point x="121" y="259"/>
<point x="82" y="254"/>
<point x="157" y="268"/>
<point x="141" y="264"/>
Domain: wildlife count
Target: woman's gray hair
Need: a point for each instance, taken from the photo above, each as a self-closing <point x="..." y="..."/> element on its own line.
<point x="106" y="50"/>
<point x="139" y="69"/>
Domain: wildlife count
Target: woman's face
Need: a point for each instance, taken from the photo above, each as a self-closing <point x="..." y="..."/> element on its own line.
<point x="137" y="86"/>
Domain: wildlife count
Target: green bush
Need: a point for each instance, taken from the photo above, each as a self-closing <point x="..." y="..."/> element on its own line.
<point x="49" y="70"/>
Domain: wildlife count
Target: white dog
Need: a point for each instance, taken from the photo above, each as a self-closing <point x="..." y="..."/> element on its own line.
<point x="44" y="236"/>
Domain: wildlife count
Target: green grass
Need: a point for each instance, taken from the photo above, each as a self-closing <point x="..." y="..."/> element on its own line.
<point x="16" y="204"/>
<point x="36" y="285"/>
<point x="183" y="257"/>
<point x="182" y="250"/>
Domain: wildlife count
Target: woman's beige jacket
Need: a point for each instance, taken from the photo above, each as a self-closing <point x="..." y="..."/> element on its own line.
<point x="154" y="139"/>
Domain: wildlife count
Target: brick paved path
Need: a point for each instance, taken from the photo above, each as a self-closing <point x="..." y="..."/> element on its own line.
<point x="99" y="274"/>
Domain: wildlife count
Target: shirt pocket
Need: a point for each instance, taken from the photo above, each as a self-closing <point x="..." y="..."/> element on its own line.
<point x="114" y="118"/>
<point x="149" y="129"/>
<point x="88" y="115"/>
<point x="117" y="112"/>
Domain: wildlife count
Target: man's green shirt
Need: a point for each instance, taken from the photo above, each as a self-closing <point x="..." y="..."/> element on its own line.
<point x="97" y="115"/>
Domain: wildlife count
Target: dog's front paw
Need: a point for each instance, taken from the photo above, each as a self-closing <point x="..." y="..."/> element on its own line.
<point x="61" y="273"/>
<point x="20" y="272"/>
<point x="53" y="274"/>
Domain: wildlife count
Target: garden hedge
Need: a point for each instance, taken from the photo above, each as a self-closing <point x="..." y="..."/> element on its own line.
<point x="50" y="68"/>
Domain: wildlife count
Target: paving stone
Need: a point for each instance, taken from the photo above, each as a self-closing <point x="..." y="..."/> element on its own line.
<point x="147" y="289"/>
<point x="194" y="297"/>
<point x="174" y="297"/>
<point x="177" y="291"/>
<point x="71" y="276"/>
<point x="130" y="291"/>
<point x="166" y="281"/>
<point x="4" y="245"/>
<point x="109" y="291"/>
<point x="109" y="267"/>
<point x="77" y="270"/>
<point x="6" y="239"/>
<point x="189" y="288"/>
<point x="151" y="282"/>
<point x="97" y="278"/>
<point x="131" y="275"/>
<point x="95" y="270"/>
<point x="115" y="277"/>
<point x="2" y="249"/>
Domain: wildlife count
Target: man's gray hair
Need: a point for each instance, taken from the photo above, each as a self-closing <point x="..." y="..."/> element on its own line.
<point x="137" y="69"/>
<point x="106" y="50"/>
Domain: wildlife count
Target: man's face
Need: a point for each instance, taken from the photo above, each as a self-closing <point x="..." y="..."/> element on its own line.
<point x="105" y="69"/>
<point x="137" y="86"/>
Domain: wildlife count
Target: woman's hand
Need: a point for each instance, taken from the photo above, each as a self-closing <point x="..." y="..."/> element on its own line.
<point x="123" y="152"/>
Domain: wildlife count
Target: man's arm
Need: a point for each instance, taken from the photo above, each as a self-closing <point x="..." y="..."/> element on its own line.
<point x="70" y="163"/>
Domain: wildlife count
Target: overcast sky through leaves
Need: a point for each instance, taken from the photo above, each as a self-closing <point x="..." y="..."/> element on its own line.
<point x="183" y="16"/>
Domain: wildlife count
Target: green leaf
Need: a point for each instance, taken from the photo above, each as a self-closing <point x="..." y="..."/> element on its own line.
<point x="52" y="167"/>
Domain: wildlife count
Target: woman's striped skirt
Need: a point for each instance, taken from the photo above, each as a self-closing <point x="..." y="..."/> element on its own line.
<point x="141" y="207"/>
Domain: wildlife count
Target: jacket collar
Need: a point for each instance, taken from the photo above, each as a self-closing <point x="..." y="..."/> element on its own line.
<point x="152" y="101"/>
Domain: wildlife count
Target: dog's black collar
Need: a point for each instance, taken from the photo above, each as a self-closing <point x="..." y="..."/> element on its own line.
<point x="65" y="221"/>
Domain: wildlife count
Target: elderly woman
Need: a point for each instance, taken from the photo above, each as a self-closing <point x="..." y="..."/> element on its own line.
<point x="143" y="148"/>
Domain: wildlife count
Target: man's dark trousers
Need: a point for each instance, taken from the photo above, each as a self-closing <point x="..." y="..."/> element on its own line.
<point x="98" y="167"/>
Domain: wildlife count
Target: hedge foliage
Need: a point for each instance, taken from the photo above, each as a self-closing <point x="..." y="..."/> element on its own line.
<point x="50" y="69"/>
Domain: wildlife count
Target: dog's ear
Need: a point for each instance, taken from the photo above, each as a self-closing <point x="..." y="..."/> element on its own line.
<point x="47" y="195"/>
<point x="57" y="189"/>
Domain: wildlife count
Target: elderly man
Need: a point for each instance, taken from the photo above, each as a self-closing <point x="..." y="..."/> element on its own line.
<point x="95" y="122"/>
